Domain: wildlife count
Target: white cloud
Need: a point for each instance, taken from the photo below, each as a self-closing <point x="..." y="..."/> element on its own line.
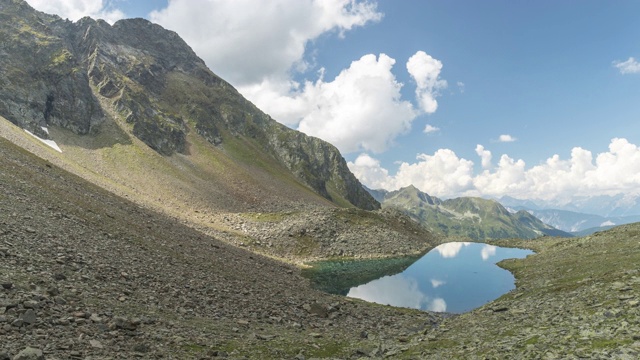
<point x="370" y="172"/>
<point x="425" y="70"/>
<point x="506" y="138"/>
<point x="361" y="109"/>
<point x="460" y="86"/>
<point x="437" y="283"/>
<point x="76" y="9"/>
<point x="630" y="66"/>
<point x="260" y="46"/>
<point x="444" y="174"/>
<point x="250" y="42"/>
<point x="430" y="129"/>
<point x="485" y="156"/>
<point x="608" y="223"/>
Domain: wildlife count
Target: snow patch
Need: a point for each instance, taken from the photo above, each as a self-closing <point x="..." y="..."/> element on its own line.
<point x="607" y="223"/>
<point x="50" y="143"/>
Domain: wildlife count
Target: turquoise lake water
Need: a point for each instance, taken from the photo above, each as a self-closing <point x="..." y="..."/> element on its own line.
<point x="453" y="277"/>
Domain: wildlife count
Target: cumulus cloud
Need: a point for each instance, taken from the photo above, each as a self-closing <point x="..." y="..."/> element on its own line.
<point x="444" y="174"/>
<point x="76" y="9"/>
<point x="249" y="42"/>
<point x="630" y="66"/>
<point x="485" y="156"/>
<point x="437" y="283"/>
<point x="430" y="129"/>
<point x="361" y="109"/>
<point x="425" y="70"/>
<point x="506" y="138"/>
<point x="370" y="172"/>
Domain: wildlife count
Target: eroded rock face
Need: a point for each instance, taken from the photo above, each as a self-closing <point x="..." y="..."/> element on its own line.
<point x="42" y="79"/>
<point x="77" y="75"/>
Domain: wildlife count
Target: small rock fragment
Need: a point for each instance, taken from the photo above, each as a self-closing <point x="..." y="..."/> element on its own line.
<point x="29" y="354"/>
<point x="29" y="317"/>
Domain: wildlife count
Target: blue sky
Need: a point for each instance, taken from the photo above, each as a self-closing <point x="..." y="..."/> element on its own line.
<point x="552" y="77"/>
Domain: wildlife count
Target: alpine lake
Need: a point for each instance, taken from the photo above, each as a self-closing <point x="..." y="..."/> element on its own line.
<point x="454" y="277"/>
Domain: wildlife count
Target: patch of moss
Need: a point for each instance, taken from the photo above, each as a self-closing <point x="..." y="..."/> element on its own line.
<point x="61" y="57"/>
<point x="532" y="340"/>
<point x="329" y="349"/>
<point x="193" y="349"/>
<point x="305" y="245"/>
<point x="609" y="343"/>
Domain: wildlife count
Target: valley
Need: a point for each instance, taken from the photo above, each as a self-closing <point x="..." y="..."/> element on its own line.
<point x="174" y="219"/>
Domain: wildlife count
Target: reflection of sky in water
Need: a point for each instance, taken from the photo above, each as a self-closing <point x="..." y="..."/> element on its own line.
<point x="397" y="290"/>
<point x="454" y="277"/>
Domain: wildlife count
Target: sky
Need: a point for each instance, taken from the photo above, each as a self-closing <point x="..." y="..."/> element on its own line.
<point x="530" y="99"/>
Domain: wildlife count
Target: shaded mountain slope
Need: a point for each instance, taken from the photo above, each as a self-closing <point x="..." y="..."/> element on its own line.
<point x="475" y="218"/>
<point x="109" y="89"/>
<point x="76" y="259"/>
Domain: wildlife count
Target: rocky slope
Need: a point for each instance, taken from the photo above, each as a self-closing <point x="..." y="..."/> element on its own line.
<point x="85" y="274"/>
<point x="135" y="80"/>
<point x="576" y="298"/>
<point x="475" y="218"/>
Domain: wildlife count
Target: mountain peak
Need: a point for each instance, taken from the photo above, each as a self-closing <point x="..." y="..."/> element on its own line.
<point x="89" y="76"/>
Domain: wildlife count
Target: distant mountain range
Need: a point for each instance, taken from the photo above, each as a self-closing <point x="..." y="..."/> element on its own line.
<point x="475" y="218"/>
<point x="620" y="205"/>
<point x="575" y="222"/>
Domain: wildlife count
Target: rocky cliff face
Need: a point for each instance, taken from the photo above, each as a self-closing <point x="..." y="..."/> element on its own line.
<point x="78" y="75"/>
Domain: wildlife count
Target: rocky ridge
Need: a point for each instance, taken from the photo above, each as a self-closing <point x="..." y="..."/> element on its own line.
<point x="88" y="75"/>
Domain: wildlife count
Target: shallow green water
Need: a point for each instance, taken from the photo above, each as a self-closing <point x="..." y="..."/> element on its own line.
<point x="453" y="277"/>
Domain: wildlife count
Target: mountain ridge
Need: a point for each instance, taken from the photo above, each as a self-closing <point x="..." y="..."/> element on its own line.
<point x="472" y="217"/>
<point x="88" y="75"/>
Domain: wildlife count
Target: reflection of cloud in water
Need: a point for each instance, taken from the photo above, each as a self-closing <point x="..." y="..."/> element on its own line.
<point x="397" y="291"/>
<point x="451" y="249"/>
<point x="487" y="251"/>
<point x="435" y="283"/>
<point x="438" y="305"/>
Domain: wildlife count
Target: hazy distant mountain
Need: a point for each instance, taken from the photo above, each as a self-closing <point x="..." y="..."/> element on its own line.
<point x="605" y="206"/>
<point x="475" y="218"/>
<point x="575" y="222"/>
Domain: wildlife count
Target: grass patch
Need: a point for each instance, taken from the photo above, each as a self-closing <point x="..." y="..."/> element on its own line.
<point x="609" y="343"/>
<point x="441" y="344"/>
<point x="267" y="217"/>
<point x="532" y="340"/>
<point x="330" y="349"/>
